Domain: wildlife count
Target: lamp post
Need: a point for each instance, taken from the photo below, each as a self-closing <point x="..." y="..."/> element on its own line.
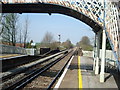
<point x="59" y="39"/>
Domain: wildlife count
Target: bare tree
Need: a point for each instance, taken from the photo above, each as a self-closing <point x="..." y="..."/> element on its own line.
<point x="48" y="39"/>
<point x="9" y="28"/>
<point x="25" y="32"/>
<point x="1" y="22"/>
<point x="20" y="39"/>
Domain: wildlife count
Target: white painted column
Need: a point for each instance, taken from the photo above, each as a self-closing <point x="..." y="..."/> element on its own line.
<point x="94" y="54"/>
<point x="102" y="79"/>
<point x="97" y="52"/>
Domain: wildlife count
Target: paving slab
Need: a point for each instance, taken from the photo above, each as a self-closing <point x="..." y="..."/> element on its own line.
<point x="89" y="79"/>
<point x="71" y="78"/>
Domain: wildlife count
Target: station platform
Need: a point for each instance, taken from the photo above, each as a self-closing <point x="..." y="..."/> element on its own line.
<point x="9" y="56"/>
<point x="84" y="77"/>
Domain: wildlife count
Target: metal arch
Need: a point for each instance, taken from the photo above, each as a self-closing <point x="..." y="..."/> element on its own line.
<point x="92" y="9"/>
<point x="50" y="8"/>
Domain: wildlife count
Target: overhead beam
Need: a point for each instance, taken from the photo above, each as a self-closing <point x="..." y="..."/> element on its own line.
<point x="49" y="8"/>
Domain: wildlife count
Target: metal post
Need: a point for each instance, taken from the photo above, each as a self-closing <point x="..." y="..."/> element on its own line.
<point x="59" y="39"/>
<point x="103" y="57"/>
<point x="102" y="79"/>
<point x="97" y="52"/>
<point x="94" y="54"/>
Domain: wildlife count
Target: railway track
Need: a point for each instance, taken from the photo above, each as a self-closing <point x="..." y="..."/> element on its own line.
<point x="9" y="64"/>
<point x="22" y="68"/>
<point x="48" y="78"/>
<point x="13" y="62"/>
<point x="28" y="77"/>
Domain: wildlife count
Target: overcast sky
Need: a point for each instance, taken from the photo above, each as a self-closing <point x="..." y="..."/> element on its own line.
<point x="67" y="27"/>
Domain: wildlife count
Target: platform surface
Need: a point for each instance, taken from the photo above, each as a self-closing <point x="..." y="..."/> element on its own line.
<point x="89" y="79"/>
<point x="9" y="56"/>
<point x="71" y="78"/>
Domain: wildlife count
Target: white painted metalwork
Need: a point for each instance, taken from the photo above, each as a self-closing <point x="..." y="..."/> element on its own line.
<point x="97" y="52"/>
<point x="87" y="7"/>
<point x="94" y="9"/>
<point x="112" y="26"/>
<point x="103" y="57"/>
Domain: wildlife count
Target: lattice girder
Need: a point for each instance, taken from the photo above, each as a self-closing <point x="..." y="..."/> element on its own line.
<point x="94" y="9"/>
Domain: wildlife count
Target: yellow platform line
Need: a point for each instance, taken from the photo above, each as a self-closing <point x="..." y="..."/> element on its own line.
<point x="79" y="75"/>
<point x="8" y="56"/>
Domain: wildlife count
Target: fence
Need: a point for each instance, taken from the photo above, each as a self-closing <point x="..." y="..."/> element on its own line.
<point x="6" y="49"/>
<point x="109" y="56"/>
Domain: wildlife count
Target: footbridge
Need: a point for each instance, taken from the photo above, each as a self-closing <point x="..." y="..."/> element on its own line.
<point x="101" y="15"/>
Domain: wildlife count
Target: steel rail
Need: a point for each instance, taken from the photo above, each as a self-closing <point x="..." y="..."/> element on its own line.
<point x="5" y="77"/>
<point x="21" y="83"/>
<point x="59" y="73"/>
<point x="24" y="69"/>
<point x="20" y="61"/>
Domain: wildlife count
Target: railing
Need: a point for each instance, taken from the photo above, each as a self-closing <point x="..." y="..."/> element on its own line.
<point x="109" y="56"/>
